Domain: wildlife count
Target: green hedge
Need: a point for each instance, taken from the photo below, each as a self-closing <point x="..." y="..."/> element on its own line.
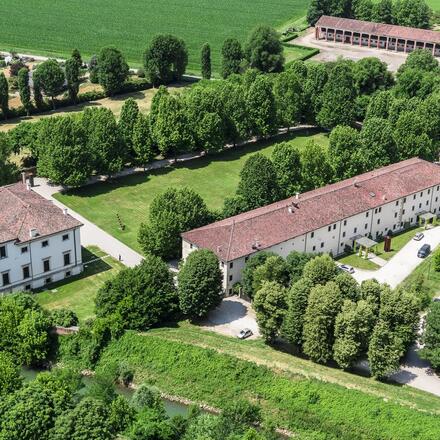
<point x="299" y="404"/>
<point x="289" y="38"/>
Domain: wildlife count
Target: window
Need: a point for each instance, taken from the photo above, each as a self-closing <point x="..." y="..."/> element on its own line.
<point x="231" y="265"/>
<point x="312" y="234"/>
<point x="375" y="211"/>
<point x="345" y="222"/>
<point x="413" y="208"/>
<point x="343" y="234"/>
<point x="230" y="291"/>
<point x="427" y="203"/>
<point x="334" y="226"/>
<point x="403" y="211"/>
<point x="420" y="205"/>
<point x="314" y="248"/>
<point x="378" y="221"/>
<point x="380" y="209"/>
<point x="24" y="249"/>
<point x="414" y="197"/>
<point x="411" y="220"/>
<point x="394" y="226"/>
<point x="342" y="244"/>
<point x="366" y="214"/>
<point x="46" y="265"/>
<point x="45" y="243"/>
<point x="65" y="237"/>
<point x="190" y="245"/>
<point x="68" y="273"/>
<point x="429" y="191"/>
<point x="5" y="278"/>
<point x="404" y="199"/>
<point x="436" y="199"/>
<point x="395" y="215"/>
<point x="246" y="259"/>
<point x="329" y="228"/>
<point x="2" y="251"/>
<point x="421" y="194"/>
<point x="66" y="257"/>
<point x="48" y="280"/>
<point x="355" y="230"/>
<point x="366" y="225"/>
<point x="438" y="187"/>
<point x="230" y="277"/>
<point x="322" y="244"/>
<point x="397" y="203"/>
<point x="26" y="272"/>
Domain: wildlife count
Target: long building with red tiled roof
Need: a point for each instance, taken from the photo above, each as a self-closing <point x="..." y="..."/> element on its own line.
<point x="376" y="35"/>
<point x="39" y="242"/>
<point x="327" y="219"/>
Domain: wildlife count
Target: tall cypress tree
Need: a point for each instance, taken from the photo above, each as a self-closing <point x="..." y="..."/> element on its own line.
<point x="72" y="77"/>
<point x="206" y="61"/>
<point x="24" y="89"/>
<point x="4" y="95"/>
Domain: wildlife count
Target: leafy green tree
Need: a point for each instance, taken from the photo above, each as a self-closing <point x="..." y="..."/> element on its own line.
<point x="384" y="351"/>
<point x="72" y="77"/>
<point x="316" y="170"/>
<point x="147" y="397"/>
<point x="261" y="106"/>
<point x="338" y="97"/>
<point x="50" y="78"/>
<point x="143" y="296"/>
<point x="210" y="132"/>
<point x="171" y="213"/>
<point x="205" y="61"/>
<point x="316" y="9"/>
<point x="248" y="272"/>
<point x="4" y="95"/>
<point x="236" y="418"/>
<point x="353" y="328"/>
<point x="202" y="427"/>
<point x="270" y="306"/>
<point x="363" y="10"/>
<point x="200" y="284"/>
<point x="151" y="425"/>
<point x="232" y="57"/>
<point x="264" y="51"/>
<point x="127" y="121"/>
<point x="431" y="337"/>
<point x="122" y="414"/>
<point x="370" y="74"/>
<point x="76" y="55"/>
<point x="112" y="70"/>
<point x="287" y="163"/>
<point x="103" y="140"/>
<point x="371" y="291"/>
<point x="24" y="89"/>
<point x="343" y="148"/>
<point x="8" y="170"/>
<point x="379" y="105"/>
<point x="317" y="76"/>
<point x="142" y="141"/>
<point x="324" y="304"/>
<point x="94" y="70"/>
<point x="409" y="83"/>
<point x="320" y="270"/>
<point x="348" y="286"/>
<point x="273" y="269"/>
<point x="412" y="13"/>
<point x="258" y="182"/>
<point x="297" y="299"/>
<point x="383" y="12"/>
<point x="296" y="262"/>
<point x="10" y="378"/>
<point x="166" y="59"/>
<point x="420" y="59"/>
<point x="38" y="96"/>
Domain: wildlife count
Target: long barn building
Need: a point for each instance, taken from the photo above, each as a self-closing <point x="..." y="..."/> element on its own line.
<point x="327" y="219"/>
<point x="376" y="35"/>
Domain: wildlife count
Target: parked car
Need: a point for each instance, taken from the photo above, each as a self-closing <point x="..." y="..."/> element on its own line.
<point x="245" y="333"/>
<point x="418" y="236"/>
<point x="424" y="251"/>
<point x="346" y="268"/>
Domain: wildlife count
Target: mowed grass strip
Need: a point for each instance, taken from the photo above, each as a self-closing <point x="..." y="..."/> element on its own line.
<point x="214" y="177"/>
<point x="54" y="28"/>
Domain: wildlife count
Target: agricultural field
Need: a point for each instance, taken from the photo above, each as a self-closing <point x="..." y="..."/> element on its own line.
<point x="53" y="28"/>
<point x="214" y="177"/>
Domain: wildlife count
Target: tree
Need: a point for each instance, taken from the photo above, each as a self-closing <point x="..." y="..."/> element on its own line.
<point x="338" y="97"/>
<point x="317" y="76"/>
<point x="24" y="90"/>
<point x="263" y="50"/>
<point x="50" y="78"/>
<point x="384" y="351"/>
<point x="431" y="337"/>
<point x="348" y="286"/>
<point x="296" y="262"/>
<point x="363" y="10"/>
<point x="260" y="103"/>
<point x="142" y="141"/>
<point x="343" y="147"/>
<point x="323" y="306"/>
<point x="112" y="70"/>
<point x="236" y="418"/>
<point x="143" y="296"/>
<point x="247" y="276"/>
<point x="273" y="269"/>
<point x="151" y="425"/>
<point x="147" y="397"/>
<point x="77" y="57"/>
<point x="270" y="306"/>
<point x="232" y="57"/>
<point x="320" y="270"/>
<point x="10" y="379"/>
<point x="383" y="12"/>
<point x="166" y="59"/>
<point x="316" y="9"/>
<point x="316" y="170"/>
<point x="371" y="291"/>
<point x="353" y="328"/>
<point x="8" y="170"/>
<point x="171" y="213"/>
<point x="205" y="61"/>
<point x="72" y="77"/>
<point x="370" y="74"/>
<point x="379" y="105"/>
<point x="287" y="163"/>
<point x="297" y="299"/>
<point x="258" y="182"/>
<point x="38" y="96"/>
<point x="127" y="121"/>
<point x="94" y="70"/>
<point x="200" y="284"/>
<point x="420" y="59"/>
<point x="412" y="13"/>
<point x="4" y="95"/>
<point x="122" y="414"/>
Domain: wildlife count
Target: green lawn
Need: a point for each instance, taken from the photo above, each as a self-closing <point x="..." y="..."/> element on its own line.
<point x="77" y="293"/>
<point x="54" y="28"/>
<point x="397" y="243"/>
<point x="293" y="52"/>
<point x="214" y="178"/>
<point x="358" y="262"/>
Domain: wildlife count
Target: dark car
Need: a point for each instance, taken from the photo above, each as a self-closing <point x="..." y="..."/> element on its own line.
<point x="424" y="251"/>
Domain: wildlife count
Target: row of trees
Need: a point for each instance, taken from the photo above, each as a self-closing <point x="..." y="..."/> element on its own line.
<point x="412" y="13"/>
<point x="326" y="315"/>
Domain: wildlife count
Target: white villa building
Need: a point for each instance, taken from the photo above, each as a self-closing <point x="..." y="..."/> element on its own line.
<point x="39" y="242"/>
<point x="327" y="219"/>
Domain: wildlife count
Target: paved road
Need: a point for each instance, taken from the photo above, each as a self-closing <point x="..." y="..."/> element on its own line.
<point x="403" y="263"/>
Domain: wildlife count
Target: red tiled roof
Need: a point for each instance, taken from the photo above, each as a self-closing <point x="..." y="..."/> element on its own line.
<point x="22" y="210"/>
<point x="380" y="29"/>
<point x="234" y="237"/>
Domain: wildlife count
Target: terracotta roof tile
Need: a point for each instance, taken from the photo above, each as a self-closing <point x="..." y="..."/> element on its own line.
<point x="380" y="29"/>
<point x="22" y="210"/>
<point x="234" y="237"/>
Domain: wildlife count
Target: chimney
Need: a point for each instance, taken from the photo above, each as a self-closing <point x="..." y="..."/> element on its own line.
<point x="290" y="209"/>
<point x="65" y="211"/>
<point x="23" y="178"/>
<point x="297" y="196"/>
<point x="33" y="233"/>
<point x="28" y="186"/>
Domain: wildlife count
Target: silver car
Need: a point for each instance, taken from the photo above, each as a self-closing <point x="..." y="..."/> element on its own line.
<point x="346" y="268"/>
<point x="418" y="236"/>
<point x="245" y="333"/>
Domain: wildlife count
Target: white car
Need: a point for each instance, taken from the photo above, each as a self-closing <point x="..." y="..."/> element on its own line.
<point x="418" y="236"/>
<point x="346" y="268"/>
<point x="245" y="333"/>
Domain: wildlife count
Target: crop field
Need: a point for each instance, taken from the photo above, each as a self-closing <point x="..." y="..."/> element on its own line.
<point x="54" y="28"/>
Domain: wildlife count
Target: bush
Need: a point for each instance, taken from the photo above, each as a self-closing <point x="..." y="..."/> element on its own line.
<point x="63" y="317"/>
